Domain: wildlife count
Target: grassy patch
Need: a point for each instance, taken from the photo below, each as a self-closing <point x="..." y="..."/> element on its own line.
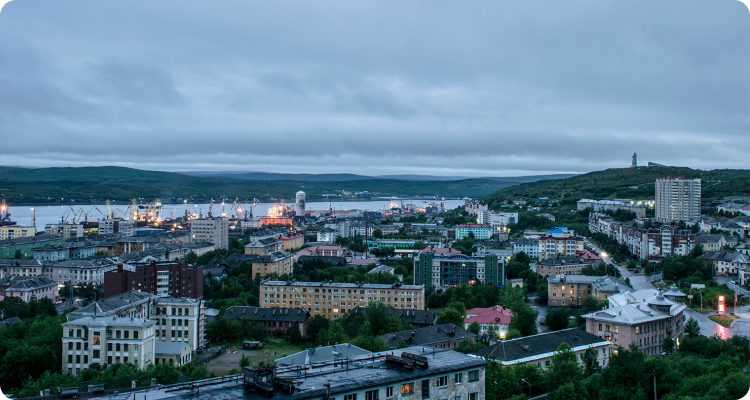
<point x="724" y="320"/>
<point x="697" y="307"/>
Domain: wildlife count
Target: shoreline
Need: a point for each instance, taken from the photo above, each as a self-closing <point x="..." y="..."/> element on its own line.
<point x="290" y="201"/>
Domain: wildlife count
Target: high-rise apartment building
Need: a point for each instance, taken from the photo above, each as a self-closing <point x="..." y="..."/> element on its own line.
<point x="210" y="229"/>
<point x="678" y="199"/>
<point x="165" y="279"/>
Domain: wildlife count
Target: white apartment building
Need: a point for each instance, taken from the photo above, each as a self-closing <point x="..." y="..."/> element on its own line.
<point x="175" y="319"/>
<point x="528" y="246"/>
<point x="67" y="231"/>
<point x="496" y="219"/>
<point x="210" y="229"/>
<point x="116" y="225"/>
<point x="678" y="199"/>
<point x="179" y="320"/>
<point x="327" y="235"/>
<point x="109" y="340"/>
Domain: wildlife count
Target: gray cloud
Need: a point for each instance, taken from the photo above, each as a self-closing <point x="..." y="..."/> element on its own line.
<point x="436" y="87"/>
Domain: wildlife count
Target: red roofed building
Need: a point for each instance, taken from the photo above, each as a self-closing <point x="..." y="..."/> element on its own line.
<point x="496" y="316"/>
<point x="323" y="251"/>
<point x="291" y="240"/>
<point x="440" y="250"/>
<point x="588" y="255"/>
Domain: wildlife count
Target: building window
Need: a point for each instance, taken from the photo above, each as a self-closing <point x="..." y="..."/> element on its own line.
<point x="352" y="396"/>
<point x="458" y="378"/>
<point x="389" y="391"/>
<point x="473" y="396"/>
<point x="474" y="375"/>
<point x="407" y="388"/>
<point x="442" y="381"/>
<point x="426" y="389"/>
<point x="371" y="395"/>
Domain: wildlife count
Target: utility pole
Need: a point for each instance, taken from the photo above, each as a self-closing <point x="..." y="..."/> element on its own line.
<point x="654" y="383"/>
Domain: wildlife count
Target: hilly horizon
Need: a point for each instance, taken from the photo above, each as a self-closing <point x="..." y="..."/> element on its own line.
<point x="97" y="184"/>
<point x="635" y="183"/>
<point x="276" y="176"/>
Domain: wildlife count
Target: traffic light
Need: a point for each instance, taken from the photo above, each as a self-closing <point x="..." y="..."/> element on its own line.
<point x="721" y="304"/>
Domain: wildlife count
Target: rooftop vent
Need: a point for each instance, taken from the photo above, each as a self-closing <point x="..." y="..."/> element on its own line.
<point x="526" y="347"/>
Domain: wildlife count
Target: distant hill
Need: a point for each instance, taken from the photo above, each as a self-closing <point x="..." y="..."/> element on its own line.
<point x="635" y="183"/>
<point x="97" y="184"/>
<point x="265" y="176"/>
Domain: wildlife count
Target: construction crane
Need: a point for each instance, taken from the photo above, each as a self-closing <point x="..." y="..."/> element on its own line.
<point x="110" y="213"/>
<point x="132" y="210"/>
<point x="66" y="215"/>
<point x="90" y="213"/>
<point x="252" y="209"/>
<point x="223" y="209"/>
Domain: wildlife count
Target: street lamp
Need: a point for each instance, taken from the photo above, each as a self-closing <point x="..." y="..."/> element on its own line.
<point x="524" y="380"/>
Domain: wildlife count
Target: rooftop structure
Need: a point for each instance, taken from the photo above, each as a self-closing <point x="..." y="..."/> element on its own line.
<point x="29" y="288"/>
<point x="539" y="349"/>
<point x="571" y="290"/>
<point x="445" y="336"/>
<point x="644" y="317"/>
<point x="417" y="318"/>
<point x="320" y="354"/>
<point x="563" y="265"/>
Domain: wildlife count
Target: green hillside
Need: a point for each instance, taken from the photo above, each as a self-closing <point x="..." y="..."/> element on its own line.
<point x="632" y="183"/>
<point x="97" y="184"/>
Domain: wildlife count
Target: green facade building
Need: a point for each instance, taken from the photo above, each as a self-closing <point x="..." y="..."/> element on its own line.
<point x="440" y="269"/>
<point x="26" y="245"/>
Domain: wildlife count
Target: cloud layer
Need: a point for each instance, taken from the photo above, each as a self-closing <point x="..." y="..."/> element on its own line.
<point x="375" y="87"/>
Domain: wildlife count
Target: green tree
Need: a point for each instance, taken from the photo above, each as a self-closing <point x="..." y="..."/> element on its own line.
<point x="18" y="254"/>
<point x="557" y="319"/>
<point x="525" y="319"/>
<point x="244" y="361"/>
<point x="377" y="234"/>
<point x="668" y="345"/>
<point x="293" y="334"/>
<point x="564" y="368"/>
<point x="692" y="329"/>
<point x="450" y="316"/>
<point x="475" y="328"/>
<point x="315" y="325"/>
<point x="568" y="391"/>
<point x="590" y="362"/>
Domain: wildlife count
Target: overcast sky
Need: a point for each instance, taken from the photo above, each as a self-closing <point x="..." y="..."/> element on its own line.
<point x="487" y="88"/>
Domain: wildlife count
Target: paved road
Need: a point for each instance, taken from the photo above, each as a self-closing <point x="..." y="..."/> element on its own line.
<point x="708" y="327"/>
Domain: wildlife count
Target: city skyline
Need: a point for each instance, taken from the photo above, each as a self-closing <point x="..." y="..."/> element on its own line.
<point x="375" y="88"/>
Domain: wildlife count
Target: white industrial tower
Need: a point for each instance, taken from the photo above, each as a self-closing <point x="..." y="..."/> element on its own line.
<point x="300" y="204"/>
